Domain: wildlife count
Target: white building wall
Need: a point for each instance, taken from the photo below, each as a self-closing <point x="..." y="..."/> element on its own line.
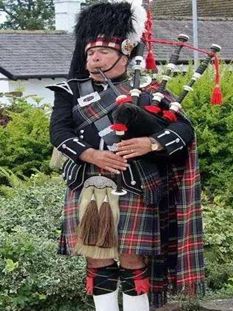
<point x="35" y="87"/>
<point x="4" y="84"/>
<point x="4" y="88"/>
<point x="65" y="14"/>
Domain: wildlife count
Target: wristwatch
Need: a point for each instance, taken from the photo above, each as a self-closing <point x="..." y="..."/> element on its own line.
<point x="154" y="144"/>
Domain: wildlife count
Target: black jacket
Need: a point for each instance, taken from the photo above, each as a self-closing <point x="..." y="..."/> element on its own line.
<point x="72" y="135"/>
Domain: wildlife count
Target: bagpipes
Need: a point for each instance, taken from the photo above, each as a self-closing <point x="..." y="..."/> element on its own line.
<point x="131" y="119"/>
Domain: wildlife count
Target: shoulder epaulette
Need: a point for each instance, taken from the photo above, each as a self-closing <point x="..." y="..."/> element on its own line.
<point x="65" y="85"/>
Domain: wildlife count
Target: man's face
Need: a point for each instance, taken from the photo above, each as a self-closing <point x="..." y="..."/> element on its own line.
<point x="103" y="58"/>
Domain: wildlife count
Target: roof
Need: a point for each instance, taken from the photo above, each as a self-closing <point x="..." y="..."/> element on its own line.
<point x="209" y="32"/>
<point x="35" y="54"/>
<point x="205" y="8"/>
<point x="27" y="54"/>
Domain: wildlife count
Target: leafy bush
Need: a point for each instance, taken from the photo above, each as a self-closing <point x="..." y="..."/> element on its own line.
<point x="214" y="128"/>
<point x="12" y="181"/>
<point x="24" y="140"/>
<point x="32" y="276"/>
<point x="218" y="243"/>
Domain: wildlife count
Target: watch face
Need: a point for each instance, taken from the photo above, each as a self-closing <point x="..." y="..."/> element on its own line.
<point x="153" y="147"/>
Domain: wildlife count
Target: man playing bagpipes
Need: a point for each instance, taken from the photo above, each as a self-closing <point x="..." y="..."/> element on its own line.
<point x="132" y="205"/>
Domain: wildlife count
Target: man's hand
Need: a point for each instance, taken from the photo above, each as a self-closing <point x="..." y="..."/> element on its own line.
<point x="104" y="159"/>
<point x="134" y="147"/>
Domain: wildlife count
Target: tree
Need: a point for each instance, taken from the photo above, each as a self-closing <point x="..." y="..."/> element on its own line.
<point x="28" y="14"/>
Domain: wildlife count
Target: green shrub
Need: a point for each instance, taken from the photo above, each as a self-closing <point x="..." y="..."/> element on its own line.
<point x="218" y="244"/>
<point x="214" y="128"/>
<point x="24" y="141"/>
<point x="33" y="277"/>
<point x="11" y="181"/>
<point x="36" y="208"/>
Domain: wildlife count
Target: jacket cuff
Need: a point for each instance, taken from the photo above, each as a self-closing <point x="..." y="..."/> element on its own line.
<point x="170" y="140"/>
<point x="73" y="147"/>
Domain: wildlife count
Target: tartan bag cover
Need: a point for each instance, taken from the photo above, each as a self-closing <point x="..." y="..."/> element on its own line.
<point x="180" y="267"/>
<point x="190" y="260"/>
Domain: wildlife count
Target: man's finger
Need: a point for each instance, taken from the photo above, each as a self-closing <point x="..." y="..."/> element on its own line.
<point x="111" y="170"/>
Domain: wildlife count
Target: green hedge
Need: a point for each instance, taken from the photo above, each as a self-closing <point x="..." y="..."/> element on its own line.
<point x="32" y="275"/>
<point x="218" y="239"/>
<point x="214" y="128"/>
<point x="25" y="146"/>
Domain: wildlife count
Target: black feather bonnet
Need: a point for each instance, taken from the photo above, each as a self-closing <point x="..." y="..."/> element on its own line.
<point x="117" y="25"/>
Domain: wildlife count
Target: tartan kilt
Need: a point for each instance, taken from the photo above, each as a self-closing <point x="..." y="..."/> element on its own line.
<point x="169" y="234"/>
<point x="138" y="229"/>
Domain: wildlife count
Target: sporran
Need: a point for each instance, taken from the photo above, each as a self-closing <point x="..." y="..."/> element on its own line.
<point x="98" y="219"/>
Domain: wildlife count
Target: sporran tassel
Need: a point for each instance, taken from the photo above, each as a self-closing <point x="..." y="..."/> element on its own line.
<point x="107" y="233"/>
<point x="89" y="225"/>
<point x="99" y="217"/>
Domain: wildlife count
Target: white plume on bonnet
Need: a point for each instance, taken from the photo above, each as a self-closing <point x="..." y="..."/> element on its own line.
<point x="139" y="19"/>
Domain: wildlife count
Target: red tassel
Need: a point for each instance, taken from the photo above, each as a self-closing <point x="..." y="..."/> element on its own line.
<point x="150" y="61"/>
<point x="142" y="286"/>
<point x="170" y="116"/>
<point x="152" y="109"/>
<point x="217" y="97"/>
<point x="89" y="285"/>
